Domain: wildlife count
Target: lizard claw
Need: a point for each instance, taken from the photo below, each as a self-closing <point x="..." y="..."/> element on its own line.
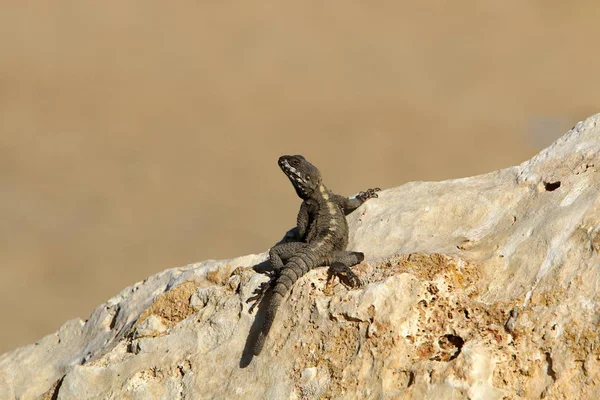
<point x="368" y="194"/>
<point x="345" y="275"/>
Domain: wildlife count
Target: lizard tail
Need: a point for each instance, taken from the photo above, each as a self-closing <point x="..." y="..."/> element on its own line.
<point x="293" y="270"/>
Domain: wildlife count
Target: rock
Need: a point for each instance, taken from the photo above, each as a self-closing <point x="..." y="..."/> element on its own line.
<point x="477" y="288"/>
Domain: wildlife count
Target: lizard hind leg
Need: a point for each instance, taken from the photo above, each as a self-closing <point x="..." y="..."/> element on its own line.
<point x="278" y="255"/>
<point x="340" y="267"/>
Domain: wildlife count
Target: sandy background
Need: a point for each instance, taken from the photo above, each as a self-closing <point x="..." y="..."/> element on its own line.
<point x="136" y="136"/>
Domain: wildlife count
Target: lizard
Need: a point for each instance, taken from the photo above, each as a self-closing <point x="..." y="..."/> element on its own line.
<point x="321" y="237"/>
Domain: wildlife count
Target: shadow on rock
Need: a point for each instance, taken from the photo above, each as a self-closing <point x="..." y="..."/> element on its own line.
<point x="260" y="309"/>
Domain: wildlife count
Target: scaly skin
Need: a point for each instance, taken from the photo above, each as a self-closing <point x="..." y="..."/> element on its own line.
<point x="321" y="238"/>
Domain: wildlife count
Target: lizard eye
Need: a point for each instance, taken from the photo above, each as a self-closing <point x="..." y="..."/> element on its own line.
<point x="307" y="177"/>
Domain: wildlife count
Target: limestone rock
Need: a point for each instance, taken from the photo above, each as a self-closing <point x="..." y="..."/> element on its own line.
<point x="477" y="288"/>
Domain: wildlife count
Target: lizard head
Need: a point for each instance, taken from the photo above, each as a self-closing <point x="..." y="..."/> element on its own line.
<point x="305" y="177"/>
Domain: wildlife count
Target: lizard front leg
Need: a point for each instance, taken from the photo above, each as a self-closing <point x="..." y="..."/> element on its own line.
<point x="349" y="205"/>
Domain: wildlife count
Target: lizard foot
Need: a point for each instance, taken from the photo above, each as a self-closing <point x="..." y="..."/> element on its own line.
<point x="345" y="275"/>
<point x="368" y="194"/>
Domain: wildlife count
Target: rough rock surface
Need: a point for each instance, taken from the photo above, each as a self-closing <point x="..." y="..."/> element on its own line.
<point x="475" y="288"/>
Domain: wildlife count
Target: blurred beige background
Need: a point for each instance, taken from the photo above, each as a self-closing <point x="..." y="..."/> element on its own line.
<point x="139" y="136"/>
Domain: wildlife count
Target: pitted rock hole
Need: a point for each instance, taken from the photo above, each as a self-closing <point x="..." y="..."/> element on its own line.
<point x="448" y="341"/>
<point x="551" y="186"/>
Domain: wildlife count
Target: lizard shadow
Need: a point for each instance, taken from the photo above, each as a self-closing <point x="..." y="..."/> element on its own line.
<point x="260" y="310"/>
<point x="261" y="307"/>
